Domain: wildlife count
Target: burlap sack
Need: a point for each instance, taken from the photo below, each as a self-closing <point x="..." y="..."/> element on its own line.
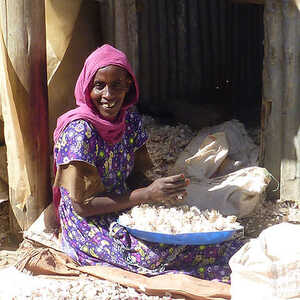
<point x="223" y="170"/>
<point x="242" y="152"/>
<point x="208" y="158"/>
<point x="268" y="268"/>
<point x="234" y="194"/>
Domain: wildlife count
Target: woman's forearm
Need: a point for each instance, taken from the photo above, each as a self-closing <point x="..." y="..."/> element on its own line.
<point x="110" y="203"/>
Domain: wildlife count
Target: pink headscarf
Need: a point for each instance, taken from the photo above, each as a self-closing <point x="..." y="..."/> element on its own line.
<point x="111" y="132"/>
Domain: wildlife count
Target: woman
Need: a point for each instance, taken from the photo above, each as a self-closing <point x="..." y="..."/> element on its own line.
<point x="99" y="148"/>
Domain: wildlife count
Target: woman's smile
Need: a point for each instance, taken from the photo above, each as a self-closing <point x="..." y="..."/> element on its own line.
<point x="109" y="89"/>
<point x="108" y="105"/>
<point x="109" y="109"/>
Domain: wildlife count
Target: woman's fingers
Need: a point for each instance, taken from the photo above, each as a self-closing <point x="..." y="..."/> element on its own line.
<point x="169" y="188"/>
<point x="174" y="178"/>
<point x="175" y="185"/>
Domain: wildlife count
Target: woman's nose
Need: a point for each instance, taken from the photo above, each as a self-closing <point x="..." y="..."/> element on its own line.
<point x="107" y="91"/>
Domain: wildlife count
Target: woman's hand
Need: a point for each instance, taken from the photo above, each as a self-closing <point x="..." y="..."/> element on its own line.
<point x="170" y="189"/>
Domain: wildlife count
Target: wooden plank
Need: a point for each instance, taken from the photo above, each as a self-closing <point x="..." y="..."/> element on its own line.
<point x="290" y="64"/>
<point x="25" y="111"/>
<point x="273" y="87"/>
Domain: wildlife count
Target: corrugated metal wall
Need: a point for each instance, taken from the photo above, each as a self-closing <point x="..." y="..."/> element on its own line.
<point x="200" y="51"/>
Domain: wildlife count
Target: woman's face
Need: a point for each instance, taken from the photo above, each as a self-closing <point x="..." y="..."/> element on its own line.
<point x="108" y="91"/>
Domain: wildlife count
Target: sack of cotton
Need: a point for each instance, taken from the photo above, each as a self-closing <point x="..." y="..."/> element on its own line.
<point x="268" y="267"/>
<point x="237" y="193"/>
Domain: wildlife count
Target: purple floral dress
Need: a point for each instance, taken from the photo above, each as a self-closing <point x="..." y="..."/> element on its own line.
<point x="100" y="239"/>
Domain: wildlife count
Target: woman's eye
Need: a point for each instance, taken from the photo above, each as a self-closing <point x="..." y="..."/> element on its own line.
<point x="116" y="85"/>
<point x="99" y="85"/>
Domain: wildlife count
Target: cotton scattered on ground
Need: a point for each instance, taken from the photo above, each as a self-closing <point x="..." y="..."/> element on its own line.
<point x="19" y="286"/>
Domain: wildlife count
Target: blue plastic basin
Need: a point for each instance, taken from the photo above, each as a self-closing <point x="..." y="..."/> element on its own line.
<point x="197" y="238"/>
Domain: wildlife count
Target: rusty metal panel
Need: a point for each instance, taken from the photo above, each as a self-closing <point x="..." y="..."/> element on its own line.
<point x="198" y="51"/>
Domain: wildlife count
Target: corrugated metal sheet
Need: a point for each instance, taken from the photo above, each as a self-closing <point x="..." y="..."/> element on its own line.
<point x="200" y="51"/>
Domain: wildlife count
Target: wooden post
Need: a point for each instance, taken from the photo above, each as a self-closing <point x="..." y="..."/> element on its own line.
<point x="271" y="143"/>
<point x="280" y="147"/>
<point x="25" y="109"/>
<point x="290" y="161"/>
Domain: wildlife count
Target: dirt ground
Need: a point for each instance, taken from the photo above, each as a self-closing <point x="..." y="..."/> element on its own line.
<point x="7" y="243"/>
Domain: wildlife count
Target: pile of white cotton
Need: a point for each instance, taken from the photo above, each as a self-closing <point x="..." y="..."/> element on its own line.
<point x="16" y="285"/>
<point x="175" y="220"/>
